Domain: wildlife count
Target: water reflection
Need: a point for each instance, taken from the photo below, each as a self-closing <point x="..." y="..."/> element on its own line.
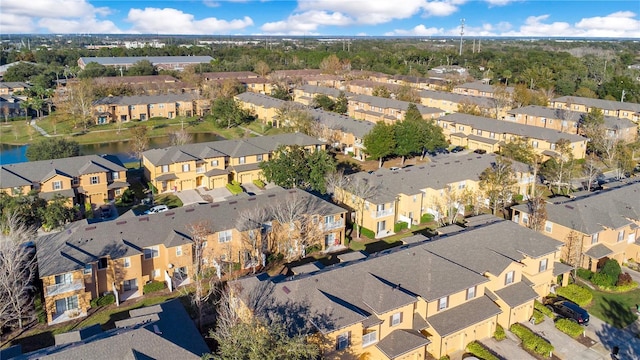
<point x="10" y="154"/>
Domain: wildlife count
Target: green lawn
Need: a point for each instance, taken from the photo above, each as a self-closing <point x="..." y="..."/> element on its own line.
<point x="171" y="201"/>
<point x="616" y="309"/>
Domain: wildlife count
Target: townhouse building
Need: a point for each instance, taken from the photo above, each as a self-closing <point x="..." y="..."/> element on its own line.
<point x="618" y="109"/>
<point x="263" y="106"/>
<point x="88" y="179"/>
<point x="452" y="102"/>
<point x="161" y="62"/>
<point x="216" y="164"/>
<point x="408" y="194"/>
<point x="428" y="298"/>
<point x="343" y="132"/>
<point x="146" y="85"/>
<point x="127" y="108"/>
<point x="306" y="94"/>
<point x="477" y="132"/>
<point x="234" y="75"/>
<point x="258" y="85"/>
<point x="87" y="260"/>
<point x="568" y="121"/>
<point x="594" y="228"/>
<point x="366" y="87"/>
<point x="479" y="88"/>
<point x="8" y="87"/>
<point x="375" y="109"/>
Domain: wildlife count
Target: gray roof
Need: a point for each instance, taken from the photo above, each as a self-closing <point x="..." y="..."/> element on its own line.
<point x="598" y="103"/>
<point x="517" y="294"/>
<point x="320" y="90"/>
<point x="481" y="101"/>
<point x="260" y="100"/>
<point x="82" y="243"/>
<point x="394" y="104"/>
<point x="610" y="122"/>
<point x="410" y="181"/>
<point x="177" y="338"/>
<point x="506" y="127"/>
<point x="481" y="86"/>
<point x="346" y="124"/>
<point x="145" y="99"/>
<point x="38" y="171"/>
<point x="14" y="84"/>
<point x="449" y="321"/>
<point x="611" y="209"/>
<point x="561" y="268"/>
<point x="598" y="251"/>
<point x="400" y="342"/>
<point x="448" y="266"/>
<point x="130" y="60"/>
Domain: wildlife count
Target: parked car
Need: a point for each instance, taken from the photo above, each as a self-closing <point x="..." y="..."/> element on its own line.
<point x="480" y="151"/>
<point x="157" y="209"/>
<point x="457" y="149"/>
<point x="105" y="211"/>
<point x="567" y="309"/>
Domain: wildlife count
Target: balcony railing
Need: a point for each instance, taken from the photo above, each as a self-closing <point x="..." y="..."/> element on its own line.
<point x="56" y="289"/>
<point x="333" y="225"/>
<point x="381" y="213"/>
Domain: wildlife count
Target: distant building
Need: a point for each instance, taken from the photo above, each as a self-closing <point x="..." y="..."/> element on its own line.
<point x="161" y="62"/>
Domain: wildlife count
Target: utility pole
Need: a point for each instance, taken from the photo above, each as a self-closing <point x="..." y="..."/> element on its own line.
<point x="622" y="97"/>
<point x="461" y="34"/>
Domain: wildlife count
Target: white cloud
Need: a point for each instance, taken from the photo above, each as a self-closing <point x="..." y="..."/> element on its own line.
<point x="51" y="8"/>
<point x="12" y="24"/>
<point x="618" y="24"/>
<point x="419" y="30"/>
<point x="621" y="22"/>
<point x="499" y="2"/>
<point x="174" y="21"/>
<point x="439" y="8"/>
<point x="89" y="25"/>
<point x="306" y="23"/>
<point x="211" y="3"/>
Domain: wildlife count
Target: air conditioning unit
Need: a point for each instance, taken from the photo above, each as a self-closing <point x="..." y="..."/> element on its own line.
<point x="170" y="266"/>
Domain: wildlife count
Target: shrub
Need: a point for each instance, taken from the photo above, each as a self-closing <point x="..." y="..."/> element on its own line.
<point x="620" y="289"/>
<point x="103" y="300"/>
<point x="518" y="198"/>
<point x="425" y="218"/>
<point x="480" y="351"/>
<point x="153" y="287"/>
<point x="366" y="232"/>
<point x="499" y="334"/>
<point x="259" y="183"/>
<point x="624" y="279"/>
<point x="446" y="357"/>
<point x="532" y="341"/>
<point x="127" y="197"/>
<point x="234" y="187"/>
<point x="584" y="273"/>
<point x="602" y="280"/>
<point x="153" y="188"/>
<point x="543" y="309"/>
<point x="575" y="293"/>
<point x="399" y="226"/>
<point x="611" y="268"/>
<point x="569" y="327"/>
<point x="537" y="316"/>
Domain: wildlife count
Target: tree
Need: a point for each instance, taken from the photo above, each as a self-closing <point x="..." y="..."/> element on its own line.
<point x="507" y="75"/>
<point x="467" y="107"/>
<point x="294" y="118"/>
<point x="407" y="93"/>
<point x="362" y="190"/>
<point x="250" y="223"/>
<point x="18" y="269"/>
<point x="204" y="286"/>
<point x="294" y="167"/>
<point x="56" y="214"/>
<point x="497" y="182"/>
<point x="180" y="137"/>
<point x="142" y="68"/>
<point x="381" y="91"/>
<point x="331" y="65"/>
<point x="537" y="213"/>
<point x="521" y="151"/>
<point x="139" y="142"/>
<point x="342" y="104"/>
<point x="501" y="99"/>
<point x="592" y="126"/>
<point x="324" y="102"/>
<point x="408" y="134"/>
<point x="52" y="148"/>
<point x="78" y="102"/>
<point x="280" y="91"/>
<point x="560" y="168"/>
<point x="335" y="183"/>
<point x="380" y="142"/>
<point x="22" y="72"/>
<point x="450" y="205"/>
<point x="572" y="249"/>
<point x="226" y="111"/>
<point x="262" y="68"/>
<point x="591" y="170"/>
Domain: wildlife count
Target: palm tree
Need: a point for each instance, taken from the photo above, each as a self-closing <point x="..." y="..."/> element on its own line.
<point x="25" y="105"/>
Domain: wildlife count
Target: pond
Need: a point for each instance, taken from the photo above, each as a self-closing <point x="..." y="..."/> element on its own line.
<point x="11" y="154"/>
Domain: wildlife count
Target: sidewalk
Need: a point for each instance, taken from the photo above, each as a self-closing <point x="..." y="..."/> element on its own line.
<point x="38" y="128"/>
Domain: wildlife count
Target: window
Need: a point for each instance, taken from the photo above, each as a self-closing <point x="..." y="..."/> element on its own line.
<point x="396" y="319"/>
<point x="132" y="107"/>
<point x="242" y="160"/>
<point x="103" y="263"/>
<point x="543" y="265"/>
<point x="151" y="252"/>
<point x="548" y="226"/>
<point x="75" y="181"/>
<point x="478" y="132"/>
<point x="204" y="244"/>
<point x="343" y="340"/>
<point x="214" y="162"/>
<point x="594" y="238"/>
<point x="535" y="144"/>
<point x="118" y="192"/>
<point x="224" y="236"/>
<point x="443" y="303"/>
<point x="126" y="262"/>
<point x="128" y="285"/>
<point x="461" y="185"/>
<point x="369" y="338"/>
<point x="155" y="273"/>
<point x="620" y="235"/>
<point x="508" y="279"/>
<point x="65" y="304"/>
<point x="165" y="168"/>
<point x="471" y="293"/>
<point x="259" y="157"/>
<point x="115" y="175"/>
<point x="525" y="218"/>
<point x="415" y="198"/>
<point x="179" y="251"/>
<point x="151" y="106"/>
<point x="161" y="106"/>
<point x="88" y="269"/>
<point x="95" y="180"/>
<point x="185" y="167"/>
<point x="64" y="278"/>
<point x="631" y="238"/>
<point x="57" y="185"/>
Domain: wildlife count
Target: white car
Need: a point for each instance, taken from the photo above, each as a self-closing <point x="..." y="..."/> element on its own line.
<point x="157" y="209"/>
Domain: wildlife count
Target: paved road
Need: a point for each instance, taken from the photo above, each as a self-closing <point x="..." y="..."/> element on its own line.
<point x="610" y="336"/>
<point x="564" y="346"/>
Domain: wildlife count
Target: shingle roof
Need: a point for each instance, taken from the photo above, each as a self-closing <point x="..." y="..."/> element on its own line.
<point x="610" y="122"/>
<point x="506" y="127"/>
<point x="82" y="243"/>
<point x="517" y="294"/>
<point x="400" y="342"/>
<point x="598" y="251"/>
<point x="598" y="103"/>
<point x="481" y="86"/>
<point x="344" y="123"/>
<point x="481" y="101"/>
<point x="394" y="104"/>
<point x="462" y="316"/>
<point x="145" y="99"/>
<point x="561" y="268"/>
<point x="590" y="214"/>
<point x="38" y="171"/>
<point x="260" y="100"/>
<point x="324" y="90"/>
<point x="129" y="60"/>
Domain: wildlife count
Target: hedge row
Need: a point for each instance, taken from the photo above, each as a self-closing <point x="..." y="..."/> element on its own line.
<point x="399" y="226"/>
<point x="575" y="293"/>
<point x="103" y="300"/>
<point x="619" y="289"/>
<point x="499" y="334"/>
<point x="234" y="187"/>
<point x="543" y="309"/>
<point x="569" y="327"/>
<point x="584" y="273"/>
<point x="259" y="183"/>
<point x="425" y="218"/>
<point x="480" y="351"/>
<point x="366" y="232"/>
<point x="531" y="341"/>
<point x="153" y="287"/>
<point x="538" y="316"/>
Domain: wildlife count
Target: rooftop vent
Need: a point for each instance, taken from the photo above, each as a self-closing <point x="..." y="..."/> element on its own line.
<point x="90" y="228"/>
<point x="121" y="222"/>
<point x="215" y="205"/>
<point x="286" y="290"/>
<point x="272" y="195"/>
<point x="146" y="218"/>
<point x="190" y="210"/>
<point x="232" y="202"/>
<point x="252" y="199"/>
<point x="569" y="207"/>
<point x="170" y="213"/>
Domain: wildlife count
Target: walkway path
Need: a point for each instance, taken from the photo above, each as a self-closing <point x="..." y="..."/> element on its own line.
<point x="249" y="130"/>
<point x="38" y="128"/>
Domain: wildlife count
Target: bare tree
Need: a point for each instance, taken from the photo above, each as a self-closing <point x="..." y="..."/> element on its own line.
<point x="139" y="141"/>
<point x="296" y="226"/>
<point x="180" y="137"/>
<point x="572" y="249"/>
<point x="591" y="170"/>
<point x="501" y="99"/>
<point x="17" y="266"/>
<point x="450" y="205"/>
<point x="362" y="190"/>
<point x="262" y="68"/>
<point x="336" y="183"/>
<point x="498" y="183"/>
<point x="250" y="223"/>
<point x="204" y="287"/>
<point x="537" y="213"/>
<point x="5" y="112"/>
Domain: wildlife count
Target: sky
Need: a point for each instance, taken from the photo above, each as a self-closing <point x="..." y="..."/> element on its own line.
<point x="555" y="18"/>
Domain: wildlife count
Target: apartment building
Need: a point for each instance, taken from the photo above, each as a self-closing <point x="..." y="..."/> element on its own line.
<point x="479" y="88"/>
<point x="146" y="85"/>
<point x="160" y="62"/>
<point x="429" y="298"/>
<point x="127" y="108"/>
<point x="8" y="88"/>
<point x="306" y="94"/>
<point x="263" y="106"/>
<point x="343" y="132"/>
<point x="233" y="75"/>
<point x="477" y="132"/>
<point x="451" y="102"/>
<point x="618" y="109"/>
<point x="408" y="194"/>
<point x="89" y="179"/>
<point x="375" y="109"/>
<point x="87" y="260"/>
<point x="366" y="87"/>
<point x="568" y="121"/>
<point x="215" y="164"/>
<point x="599" y="226"/>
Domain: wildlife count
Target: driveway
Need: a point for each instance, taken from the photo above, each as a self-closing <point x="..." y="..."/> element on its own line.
<point x="611" y="336"/>
<point x="189" y="197"/>
<point x="507" y="348"/>
<point x="215" y="195"/>
<point x="564" y="346"/>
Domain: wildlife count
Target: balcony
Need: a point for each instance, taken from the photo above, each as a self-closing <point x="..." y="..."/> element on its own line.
<point x="381" y="213"/>
<point x="333" y="225"/>
<point x="56" y="289"/>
